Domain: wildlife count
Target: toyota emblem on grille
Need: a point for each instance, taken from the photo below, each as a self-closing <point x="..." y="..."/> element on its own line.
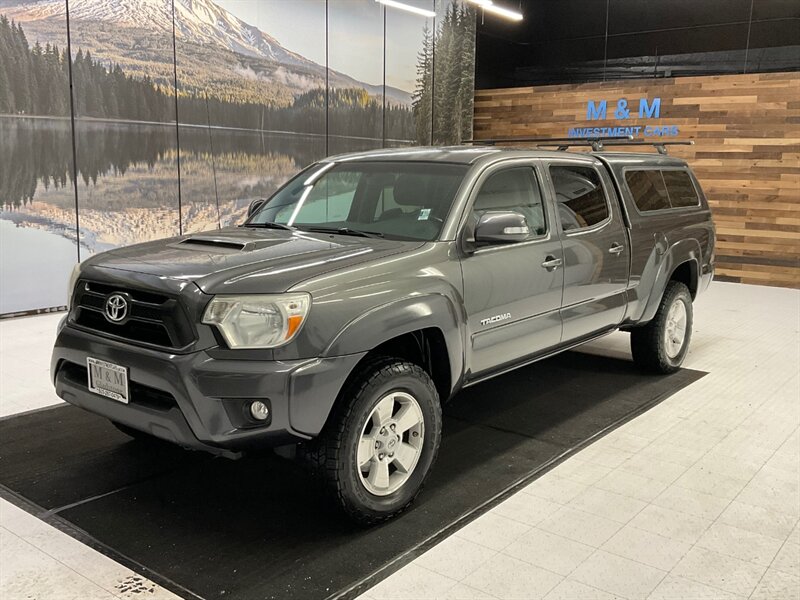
<point x="116" y="308"/>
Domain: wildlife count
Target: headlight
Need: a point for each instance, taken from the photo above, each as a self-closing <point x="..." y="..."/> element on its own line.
<point x="73" y="281"/>
<point x="258" y="321"/>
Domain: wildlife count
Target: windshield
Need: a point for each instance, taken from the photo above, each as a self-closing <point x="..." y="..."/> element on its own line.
<point x="395" y="200"/>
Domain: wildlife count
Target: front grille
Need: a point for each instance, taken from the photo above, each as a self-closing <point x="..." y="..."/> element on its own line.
<point x="152" y="318"/>
<point x="143" y="395"/>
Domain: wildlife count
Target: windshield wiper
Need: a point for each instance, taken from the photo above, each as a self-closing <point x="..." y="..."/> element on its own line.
<point x="346" y="231"/>
<point x="269" y="225"/>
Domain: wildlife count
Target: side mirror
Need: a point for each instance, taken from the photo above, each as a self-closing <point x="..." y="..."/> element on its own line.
<point x="254" y="206"/>
<point x="503" y="227"/>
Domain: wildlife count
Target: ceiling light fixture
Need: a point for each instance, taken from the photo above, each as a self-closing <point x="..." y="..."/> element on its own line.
<point x="503" y="12"/>
<point x="490" y="6"/>
<point x="408" y="7"/>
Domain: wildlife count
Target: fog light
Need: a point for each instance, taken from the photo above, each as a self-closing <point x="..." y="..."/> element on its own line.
<point x="259" y="411"/>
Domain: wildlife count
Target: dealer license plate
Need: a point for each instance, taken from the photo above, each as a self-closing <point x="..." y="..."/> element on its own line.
<point x="108" y="379"/>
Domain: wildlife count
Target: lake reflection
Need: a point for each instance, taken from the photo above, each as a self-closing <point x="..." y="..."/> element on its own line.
<point x="127" y="189"/>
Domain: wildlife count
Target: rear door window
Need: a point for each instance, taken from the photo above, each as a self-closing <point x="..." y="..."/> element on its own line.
<point x="680" y="189"/>
<point x="581" y="199"/>
<point x="648" y="189"/>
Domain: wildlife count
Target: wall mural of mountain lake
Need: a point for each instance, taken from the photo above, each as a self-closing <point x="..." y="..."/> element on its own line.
<point x="264" y="87"/>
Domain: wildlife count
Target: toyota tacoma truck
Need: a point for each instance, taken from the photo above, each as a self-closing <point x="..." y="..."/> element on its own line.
<point x="374" y="286"/>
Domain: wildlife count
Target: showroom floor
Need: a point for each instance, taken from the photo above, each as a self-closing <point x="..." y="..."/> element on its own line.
<point x="697" y="498"/>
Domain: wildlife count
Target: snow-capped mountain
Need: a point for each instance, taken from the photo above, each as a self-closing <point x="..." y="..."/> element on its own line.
<point x="200" y="21"/>
<point x="196" y="21"/>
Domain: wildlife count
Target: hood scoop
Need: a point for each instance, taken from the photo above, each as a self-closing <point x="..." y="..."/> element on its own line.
<point x="224" y="244"/>
<point x="213" y="242"/>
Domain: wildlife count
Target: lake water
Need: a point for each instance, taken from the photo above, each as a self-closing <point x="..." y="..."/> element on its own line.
<point x="35" y="267"/>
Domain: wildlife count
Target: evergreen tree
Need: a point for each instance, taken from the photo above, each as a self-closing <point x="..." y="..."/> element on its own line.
<point x="466" y="62"/>
<point x="6" y="100"/>
<point x="20" y="70"/>
<point x="6" y="97"/>
<point x="422" y="98"/>
<point x="449" y="105"/>
<point x="446" y="82"/>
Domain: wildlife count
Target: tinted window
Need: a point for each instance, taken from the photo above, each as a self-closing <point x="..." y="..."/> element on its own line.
<point x="648" y="190"/>
<point x="680" y="188"/>
<point x="581" y="200"/>
<point x="513" y="189"/>
<point x="403" y="200"/>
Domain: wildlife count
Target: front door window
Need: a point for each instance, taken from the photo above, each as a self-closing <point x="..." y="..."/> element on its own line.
<point x="513" y="190"/>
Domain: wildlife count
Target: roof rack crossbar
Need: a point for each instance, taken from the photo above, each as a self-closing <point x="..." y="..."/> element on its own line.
<point x="596" y="143"/>
<point x="545" y="140"/>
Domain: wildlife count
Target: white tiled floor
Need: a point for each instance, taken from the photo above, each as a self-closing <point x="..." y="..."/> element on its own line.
<point x="40" y="562"/>
<point x="697" y="498"/>
<point x="25" y="345"/>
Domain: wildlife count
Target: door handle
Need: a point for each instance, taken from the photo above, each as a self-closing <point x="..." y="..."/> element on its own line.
<point x="551" y="263"/>
<point x="616" y="249"/>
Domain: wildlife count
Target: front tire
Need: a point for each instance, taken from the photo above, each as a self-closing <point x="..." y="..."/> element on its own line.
<point x="662" y="344"/>
<point x="377" y="450"/>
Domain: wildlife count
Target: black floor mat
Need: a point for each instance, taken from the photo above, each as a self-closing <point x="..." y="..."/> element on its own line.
<point x="257" y="528"/>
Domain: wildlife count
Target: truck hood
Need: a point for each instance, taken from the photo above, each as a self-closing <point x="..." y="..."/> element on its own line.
<point x="245" y="260"/>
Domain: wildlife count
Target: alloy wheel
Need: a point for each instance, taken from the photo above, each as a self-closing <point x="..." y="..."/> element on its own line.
<point x="391" y="443"/>
<point x="675" y="328"/>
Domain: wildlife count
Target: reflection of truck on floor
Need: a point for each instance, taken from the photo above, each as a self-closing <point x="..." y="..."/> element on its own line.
<point x="374" y="286"/>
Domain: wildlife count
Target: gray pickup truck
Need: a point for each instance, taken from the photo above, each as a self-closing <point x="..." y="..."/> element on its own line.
<point x="372" y="287"/>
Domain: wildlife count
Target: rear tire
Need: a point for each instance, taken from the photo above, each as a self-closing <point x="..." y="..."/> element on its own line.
<point x="662" y="344"/>
<point x="378" y="447"/>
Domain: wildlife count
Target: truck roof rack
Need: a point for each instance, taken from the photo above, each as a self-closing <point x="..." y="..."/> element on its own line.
<point x="660" y="146"/>
<point x="549" y="141"/>
<point x="596" y="143"/>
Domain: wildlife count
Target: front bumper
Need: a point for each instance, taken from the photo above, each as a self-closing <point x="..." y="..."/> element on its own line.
<point x="198" y="401"/>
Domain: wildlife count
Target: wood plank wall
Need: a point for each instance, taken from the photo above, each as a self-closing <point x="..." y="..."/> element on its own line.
<point x="746" y="154"/>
